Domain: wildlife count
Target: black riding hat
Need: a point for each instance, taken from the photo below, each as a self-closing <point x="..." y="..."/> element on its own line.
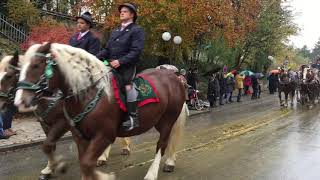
<point x="131" y="7"/>
<point x="86" y="17"/>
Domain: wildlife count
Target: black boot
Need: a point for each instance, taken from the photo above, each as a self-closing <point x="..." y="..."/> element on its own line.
<point x="132" y="118"/>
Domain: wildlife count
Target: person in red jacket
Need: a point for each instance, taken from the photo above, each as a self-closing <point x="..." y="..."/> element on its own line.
<point x="247" y="83"/>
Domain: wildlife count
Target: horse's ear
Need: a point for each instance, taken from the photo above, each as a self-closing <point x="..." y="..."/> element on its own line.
<point x="15" y="59"/>
<point x="45" y="48"/>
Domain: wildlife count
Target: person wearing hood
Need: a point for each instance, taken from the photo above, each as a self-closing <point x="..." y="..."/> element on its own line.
<point x="84" y="38"/>
<point x="239" y="84"/>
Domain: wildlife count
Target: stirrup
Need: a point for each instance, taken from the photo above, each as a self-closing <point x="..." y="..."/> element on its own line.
<point x="127" y="126"/>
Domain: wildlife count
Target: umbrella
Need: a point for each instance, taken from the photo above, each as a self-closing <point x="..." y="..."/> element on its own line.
<point x="230" y="74"/>
<point x="275" y="71"/>
<point x="259" y="75"/>
<point x="247" y="73"/>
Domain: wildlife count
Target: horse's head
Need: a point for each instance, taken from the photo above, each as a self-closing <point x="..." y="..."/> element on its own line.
<point x="306" y="74"/>
<point x="9" y="72"/>
<point x="284" y="76"/>
<point x="38" y="76"/>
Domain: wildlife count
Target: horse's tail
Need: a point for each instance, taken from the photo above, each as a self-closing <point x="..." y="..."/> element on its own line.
<point x="177" y="132"/>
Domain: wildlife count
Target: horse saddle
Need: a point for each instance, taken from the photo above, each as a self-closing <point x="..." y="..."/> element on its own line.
<point x="147" y="92"/>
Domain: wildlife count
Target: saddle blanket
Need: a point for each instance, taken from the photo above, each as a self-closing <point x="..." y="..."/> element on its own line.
<point x="147" y="92"/>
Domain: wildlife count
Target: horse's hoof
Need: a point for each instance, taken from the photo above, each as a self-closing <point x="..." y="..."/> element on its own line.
<point x="112" y="176"/>
<point x="125" y="152"/>
<point x="168" y="168"/>
<point x="44" y="176"/>
<point x="101" y="163"/>
<point x="62" y="168"/>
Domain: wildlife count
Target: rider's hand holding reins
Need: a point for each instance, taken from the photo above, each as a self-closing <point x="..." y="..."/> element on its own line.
<point x="115" y="63"/>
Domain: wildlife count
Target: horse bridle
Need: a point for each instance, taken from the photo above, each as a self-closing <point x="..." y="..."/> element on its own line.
<point x="9" y="95"/>
<point x="42" y="84"/>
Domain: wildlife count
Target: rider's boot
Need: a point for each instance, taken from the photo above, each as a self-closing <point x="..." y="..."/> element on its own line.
<point x="132" y="117"/>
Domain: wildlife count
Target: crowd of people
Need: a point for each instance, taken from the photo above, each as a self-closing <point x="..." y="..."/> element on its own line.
<point x="224" y="87"/>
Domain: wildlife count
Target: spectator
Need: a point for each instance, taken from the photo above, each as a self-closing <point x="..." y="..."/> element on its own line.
<point x="255" y="87"/>
<point x="230" y="85"/>
<point x="222" y="84"/>
<point x="6" y="122"/>
<point x="192" y="78"/>
<point x="184" y="82"/>
<point x="272" y="83"/>
<point x="247" y="84"/>
<point x="239" y="84"/>
<point x="213" y="90"/>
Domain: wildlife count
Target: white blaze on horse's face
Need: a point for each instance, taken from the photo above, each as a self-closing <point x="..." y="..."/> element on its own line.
<point x="304" y="75"/>
<point x="19" y="98"/>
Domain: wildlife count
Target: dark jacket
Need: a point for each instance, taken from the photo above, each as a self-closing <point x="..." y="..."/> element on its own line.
<point x="255" y="82"/>
<point x="230" y="84"/>
<point x="88" y="42"/>
<point x="125" y="46"/>
<point x="213" y="87"/>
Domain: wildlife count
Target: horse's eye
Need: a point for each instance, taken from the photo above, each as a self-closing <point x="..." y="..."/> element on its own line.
<point x="9" y="76"/>
<point x="35" y="66"/>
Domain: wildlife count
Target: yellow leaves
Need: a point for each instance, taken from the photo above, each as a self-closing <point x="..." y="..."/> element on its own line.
<point x="190" y="19"/>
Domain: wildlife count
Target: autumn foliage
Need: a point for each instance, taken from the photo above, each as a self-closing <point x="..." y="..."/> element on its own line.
<point x="196" y="21"/>
<point x="48" y="30"/>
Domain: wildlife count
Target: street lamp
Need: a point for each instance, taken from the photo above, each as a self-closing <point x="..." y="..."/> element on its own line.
<point x="166" y="36"/>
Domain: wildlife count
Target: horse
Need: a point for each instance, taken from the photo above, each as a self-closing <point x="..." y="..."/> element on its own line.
<point x="287" y="85"/>
<point x="48" y="112"/>
<point x="309" y="85"/>
<point x="86" y="84"/>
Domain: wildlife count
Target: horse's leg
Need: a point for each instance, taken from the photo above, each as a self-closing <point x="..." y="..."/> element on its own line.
<point x="102" y="160"/>
<point x="89" y="158"/>
<point x="292" y="96"/>
<point x="176" y="135"/>
<point x="168" y="137"/>
<point x="56" y="131"/>
<point x="279" y="91"/>
<point x="125" y="142"/>
<point x="286" y="99"/>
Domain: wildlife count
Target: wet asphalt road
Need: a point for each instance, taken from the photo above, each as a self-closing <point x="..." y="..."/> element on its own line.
<point x="241" y="141"/>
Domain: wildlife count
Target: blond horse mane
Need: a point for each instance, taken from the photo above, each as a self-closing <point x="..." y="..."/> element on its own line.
<point x="80" y="68"/>
<point x="4" y="63"/>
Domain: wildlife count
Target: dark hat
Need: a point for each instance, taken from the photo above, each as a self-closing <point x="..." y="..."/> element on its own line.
<point x="131" y="7"/>
<point x="87" y="17"/>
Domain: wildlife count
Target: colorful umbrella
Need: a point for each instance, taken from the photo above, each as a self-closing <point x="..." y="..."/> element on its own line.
<point x="259" y="75"/>
<point x="247" y="73"/>
<point x="275" y="71"/>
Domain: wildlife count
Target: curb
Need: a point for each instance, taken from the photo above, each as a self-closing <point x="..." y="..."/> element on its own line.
<point x="14" y="147"/>
<point x="199" y="112"/>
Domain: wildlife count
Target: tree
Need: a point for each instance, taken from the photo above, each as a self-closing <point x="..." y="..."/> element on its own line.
<point x="274" y="26"/>
<point x="304" y="52"/>
<point x="22" y="12"/>
<point x="316" y="50"/>
<point x="48" y="30"/>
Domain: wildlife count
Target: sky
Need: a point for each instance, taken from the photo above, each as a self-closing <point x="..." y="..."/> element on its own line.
<point x="307" y="13"/>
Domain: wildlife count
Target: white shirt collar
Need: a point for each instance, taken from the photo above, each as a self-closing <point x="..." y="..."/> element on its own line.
<point x="124" y="25"/>
<point x="83" y="33"/>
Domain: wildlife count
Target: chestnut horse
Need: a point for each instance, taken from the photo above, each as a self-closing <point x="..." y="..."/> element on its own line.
<point x="287" y="85"/>
<point x="48" y="112"/>
<point x="86" y="86"/>
<point x="309" y="85"/>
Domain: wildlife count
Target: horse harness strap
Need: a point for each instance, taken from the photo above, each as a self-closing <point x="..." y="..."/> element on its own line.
<point x="52" y="103"/>
<point x="89" y="107"/>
